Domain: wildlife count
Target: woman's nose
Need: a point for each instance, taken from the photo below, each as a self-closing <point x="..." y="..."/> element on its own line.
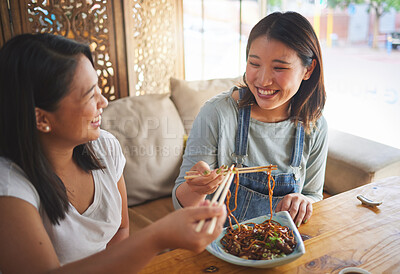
<point x="103" y="102"/>
<point x="265" y="77"/>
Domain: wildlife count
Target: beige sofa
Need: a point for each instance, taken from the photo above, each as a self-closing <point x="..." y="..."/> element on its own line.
<point x="152" y="130"/>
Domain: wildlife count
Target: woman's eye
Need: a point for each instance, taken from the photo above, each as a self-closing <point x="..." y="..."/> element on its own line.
<point x="93" y="93"/>
<point x="280" y="68"/>
<point x="254" y="64"/>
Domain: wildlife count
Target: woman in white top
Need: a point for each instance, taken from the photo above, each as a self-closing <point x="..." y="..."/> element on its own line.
<point x="62" y="193"/>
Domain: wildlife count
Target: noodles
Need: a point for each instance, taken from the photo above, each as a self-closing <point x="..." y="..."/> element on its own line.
<point x="264" y="241"/>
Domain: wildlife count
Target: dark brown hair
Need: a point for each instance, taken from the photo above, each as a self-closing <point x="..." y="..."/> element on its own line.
<point x="36" y="71"/>
<point x="296" y="32"/>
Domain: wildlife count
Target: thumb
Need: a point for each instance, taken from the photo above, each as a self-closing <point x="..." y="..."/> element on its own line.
<point x="206" y="212"/>
<point x="202" y="168"/>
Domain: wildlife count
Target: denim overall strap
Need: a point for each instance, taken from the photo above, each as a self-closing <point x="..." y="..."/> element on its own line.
<point x="242" y="132"/>
<point x="297" y="149"/>
<point x="252" y="198"/>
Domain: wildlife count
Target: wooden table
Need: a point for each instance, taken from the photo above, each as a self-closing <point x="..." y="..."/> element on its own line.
<point x="342" y="233"/>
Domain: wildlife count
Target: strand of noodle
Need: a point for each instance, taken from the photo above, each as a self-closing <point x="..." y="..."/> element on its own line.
<point x="236" y="190"/>
<point x="228" y="197"/>
<point x="227" y="203"/>
<point x="273" y="180"/>
<point x="270" y="195"/>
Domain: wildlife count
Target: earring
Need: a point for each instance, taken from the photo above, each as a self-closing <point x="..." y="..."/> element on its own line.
<point x="47" y="128"/>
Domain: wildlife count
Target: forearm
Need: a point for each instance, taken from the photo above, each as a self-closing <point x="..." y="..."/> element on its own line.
<point x="316" y="164"/>
<point x="127" y="256"/>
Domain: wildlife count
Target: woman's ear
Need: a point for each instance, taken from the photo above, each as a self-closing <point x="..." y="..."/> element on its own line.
<point x="310" y="70"/>
<point x="42" y="122"/>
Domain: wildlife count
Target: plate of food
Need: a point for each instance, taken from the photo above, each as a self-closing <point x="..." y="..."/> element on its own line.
<point x="261" y="242"/>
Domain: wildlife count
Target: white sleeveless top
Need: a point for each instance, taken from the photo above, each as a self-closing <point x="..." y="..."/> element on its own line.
<point x="78" y="235"/>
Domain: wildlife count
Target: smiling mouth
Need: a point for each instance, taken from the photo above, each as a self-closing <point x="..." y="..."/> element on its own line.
<point x="266" y="91"/>
<point x="96" y="120"/>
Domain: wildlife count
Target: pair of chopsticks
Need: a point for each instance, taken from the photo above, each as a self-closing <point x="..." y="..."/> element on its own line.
<point x="221" y="193"/>
<point x="223" y="188"/>
<point x="195" y="174"/>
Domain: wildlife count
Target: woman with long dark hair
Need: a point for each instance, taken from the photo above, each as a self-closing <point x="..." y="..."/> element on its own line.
<point x="62" y="192"/>
<point x="275" y="118"/>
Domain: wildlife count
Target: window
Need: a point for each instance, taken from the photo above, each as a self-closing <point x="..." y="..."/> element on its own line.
<point x="363" y="96"/>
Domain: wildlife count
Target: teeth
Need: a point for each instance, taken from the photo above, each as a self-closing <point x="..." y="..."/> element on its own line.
<point x="266" y="91"/>
<point x="95" y="120"/>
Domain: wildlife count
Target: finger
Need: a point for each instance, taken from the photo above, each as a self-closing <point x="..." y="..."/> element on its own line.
<point x="205" y="187"/>
<point x="218" y="226"/>
<point x="300" y="214"/>
<point x="205" y="190"/>
<point x="204" y="203"/>
<point x="202" y="167"/>
<point x="294" y="209"/>
<point x="285" y="204"/>
<point x="279" y="206"/>
<point x="206" y="212"/>
<point x="308" y="213"/>
<point x="210" y="179"/>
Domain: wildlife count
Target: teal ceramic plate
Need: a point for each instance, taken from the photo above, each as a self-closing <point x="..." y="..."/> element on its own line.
<point x="284" y="219"/>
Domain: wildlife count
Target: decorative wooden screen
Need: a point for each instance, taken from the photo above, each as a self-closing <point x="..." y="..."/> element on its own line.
<point x="88" y="21"/>
<point x="150" y="46"/>
<point x="154" y="32"/>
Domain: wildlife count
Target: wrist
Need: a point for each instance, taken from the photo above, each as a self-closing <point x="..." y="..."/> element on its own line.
<point x="187" y="197"/>
<point x="152" y="238"/>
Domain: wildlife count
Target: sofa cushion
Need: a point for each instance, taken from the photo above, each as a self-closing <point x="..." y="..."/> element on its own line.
<point x="189" y="96"/>
<point x="151" y="135"/>
<point x="354" y="161"/>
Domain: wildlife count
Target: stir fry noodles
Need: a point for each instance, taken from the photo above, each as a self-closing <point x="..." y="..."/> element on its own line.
<point x="253" y="241"/>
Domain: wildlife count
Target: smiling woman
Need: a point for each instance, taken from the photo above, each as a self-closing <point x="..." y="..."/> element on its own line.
<point x="63" y="203"/>
<point x="84" y="103"/>
<point x="275" y="117"/>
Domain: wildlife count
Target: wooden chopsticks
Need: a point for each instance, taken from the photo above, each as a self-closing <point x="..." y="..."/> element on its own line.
<point x="195" y="174"/>
<point x="221" y="193"/>
<point x="223" y="188"/>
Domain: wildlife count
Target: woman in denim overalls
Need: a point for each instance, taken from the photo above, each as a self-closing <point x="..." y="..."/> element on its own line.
<point x="283" y="94"/>
<point x="252" y="196"/>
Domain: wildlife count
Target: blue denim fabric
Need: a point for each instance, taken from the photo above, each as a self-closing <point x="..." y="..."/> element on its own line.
<point x="252" y="195"/>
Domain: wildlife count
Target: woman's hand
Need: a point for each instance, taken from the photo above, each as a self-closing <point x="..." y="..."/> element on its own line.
<point x="206" y="184"/>
<point x="177" y="230"/>
<point x="298" y="206"/>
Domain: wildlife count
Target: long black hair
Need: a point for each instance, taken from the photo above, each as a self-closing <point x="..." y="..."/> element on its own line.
<point x="296" y="32"/>
<point x="36" y="71"/>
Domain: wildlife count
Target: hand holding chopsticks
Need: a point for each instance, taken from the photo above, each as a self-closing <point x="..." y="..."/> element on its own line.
<point x="223" y="187"/>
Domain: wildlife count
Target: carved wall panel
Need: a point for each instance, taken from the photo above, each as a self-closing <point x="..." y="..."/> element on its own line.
<point x="137" y="44"/>
<point x="88" y="21"/>
<point x="154" y="44"/>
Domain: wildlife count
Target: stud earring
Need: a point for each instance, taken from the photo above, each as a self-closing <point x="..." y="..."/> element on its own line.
<point x="47" y="128"/>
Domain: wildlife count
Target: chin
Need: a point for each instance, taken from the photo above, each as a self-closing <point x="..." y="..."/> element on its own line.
<point x="265" y="106"/>
<point x="93" y="134"/>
